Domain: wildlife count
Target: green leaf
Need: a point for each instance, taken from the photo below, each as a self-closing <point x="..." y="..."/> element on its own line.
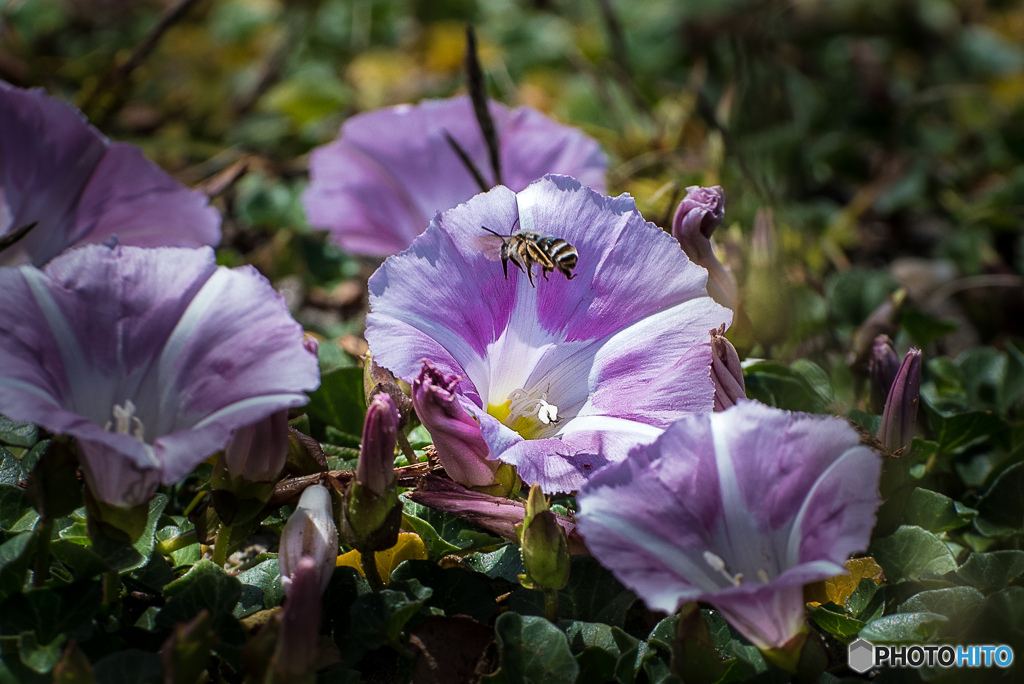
<point x="999" y="622"/>
<point x="15" y="558"/>
<point x="444" y="533"/>
<point x="816" y="378"/>
<point x="14" y="470"/>
<point x="777" y="385"/>
<point x="455" y="591"/>
<point x="261" y="588"/>
<point x="867" y="601"/>
<point x="531" y="649"/>
<point x="959" y="605"/>
<point x="912" y="553"/>
<point x="936" y="512"/>
<point x="39" y="657"/>
<point x="903" y="628"/>
<point x="339" y="401"/>
<point x="956" y="432"/>
<point x="1001" y="509"/>
<point x="132" y="666"/>
<point x="18" y="434"/>
<point x="990" y="571"/>
<point x="835" y="621"/>
<point x="506" y="563"/>
<point x="378" y="619"/>
<point x="592" y="595"/>
<point x="925" y="329"/>
<point x="52" y="611"/>
<point x="604" y="653"/>
<point x="15" y="509"/>
<point x="206" y="586"/>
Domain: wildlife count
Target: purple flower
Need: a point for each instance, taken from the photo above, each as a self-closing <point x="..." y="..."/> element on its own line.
<point x="566" y="376"/>
<point x="62" y="174"/>
<point x="381" y="182"/>
<point x="740" y="509"/>
<point x="150" y="358"/>
<point x="296" y="650"/>
<point x="696" y="219"/>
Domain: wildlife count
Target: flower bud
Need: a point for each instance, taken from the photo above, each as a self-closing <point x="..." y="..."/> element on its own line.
<point x="544" y="546"/>
<point x="257" y="452"/>
<point x="376" y="469"/>
<point x="882" y="367"/>
<point x="296" y="650"/>
<point x="309" y="533"/>
<point x="373" y="513"/>
<point x="696" y="218"/>
<point x="900" y="414"/>
<point x="456" y="434"/>
<point x="882" y="320"/>
<point x="726" y="372"/>
<point x="311" y="343"/>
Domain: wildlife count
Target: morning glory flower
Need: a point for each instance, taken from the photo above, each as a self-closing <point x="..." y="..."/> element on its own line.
<point x="380" y="183"/>
<point x="150" y="358"/>
<point x="60" y="173"/>
<point x="566" y="376"/>
<point x="740" y="509"/>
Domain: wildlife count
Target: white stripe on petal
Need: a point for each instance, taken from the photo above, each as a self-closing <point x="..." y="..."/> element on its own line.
<point x="275" y="400"/>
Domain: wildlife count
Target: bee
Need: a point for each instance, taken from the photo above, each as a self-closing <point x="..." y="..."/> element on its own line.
<point x="526" y="248"/>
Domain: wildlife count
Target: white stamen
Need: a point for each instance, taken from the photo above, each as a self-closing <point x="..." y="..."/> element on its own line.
<point x="763" y="576"/>
<point x="126" y="422"/>
<point x="717" y="563"/>
<point x="523" y="404"/>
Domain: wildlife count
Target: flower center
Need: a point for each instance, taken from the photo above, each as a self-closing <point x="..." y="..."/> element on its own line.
<point x="126" y="422"/>
<point x="717" y="564"/>
<point x="528" y="413"/>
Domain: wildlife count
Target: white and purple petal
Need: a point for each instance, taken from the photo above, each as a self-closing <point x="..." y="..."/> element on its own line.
<point x="196" y="350"/>
<point x="621" y="350"/>
<point x="378" y="185"/>
<point x="59" y="172"/>
<point x="740" y="509"/>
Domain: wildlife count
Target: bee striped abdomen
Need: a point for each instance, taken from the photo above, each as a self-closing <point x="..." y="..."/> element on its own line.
<point x="563" y="255"/>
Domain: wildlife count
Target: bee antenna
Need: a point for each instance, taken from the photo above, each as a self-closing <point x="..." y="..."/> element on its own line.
<point x="513" y="226"/>
<point x="492" y="232"/>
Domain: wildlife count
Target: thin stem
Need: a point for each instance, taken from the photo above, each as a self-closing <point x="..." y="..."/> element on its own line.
<point x="169" y="546"/>
<point x="551" y="604"/>
<point x="111" y="587"/>
<point x="407" y="450"/>
<point x="220" y="545"/>
<point x="368" y="561"/>
<point x="41" y="569"/>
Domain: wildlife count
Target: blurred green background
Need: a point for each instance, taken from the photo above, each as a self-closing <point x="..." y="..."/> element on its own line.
<point x="863" y="145"/>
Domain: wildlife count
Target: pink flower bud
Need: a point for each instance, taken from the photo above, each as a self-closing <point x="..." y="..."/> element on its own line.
<point x="376" y="469"/>
<point x="900" y="414"/>
<point x="300" y="622"/>
<point x="456" y="434"/>
<point x="696" y="218"/>
<point x="726" y="372"/>
<point x="882" y="368"/>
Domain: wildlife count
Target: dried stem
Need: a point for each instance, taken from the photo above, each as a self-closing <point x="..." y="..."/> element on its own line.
<point x="478" y="93"/>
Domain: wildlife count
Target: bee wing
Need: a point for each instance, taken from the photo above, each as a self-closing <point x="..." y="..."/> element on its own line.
<point x="488" y="245"/>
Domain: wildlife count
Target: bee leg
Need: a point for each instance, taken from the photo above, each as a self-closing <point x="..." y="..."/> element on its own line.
<point x="570" y="276"/>
<point x="504" y="267"/>
<point x="529" y="274"/>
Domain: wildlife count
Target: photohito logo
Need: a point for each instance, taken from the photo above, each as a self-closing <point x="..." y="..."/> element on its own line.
<point x="863" y="655"/>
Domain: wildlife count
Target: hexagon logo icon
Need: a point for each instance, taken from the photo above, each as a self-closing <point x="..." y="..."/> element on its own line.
<point x="861" y="656"/>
